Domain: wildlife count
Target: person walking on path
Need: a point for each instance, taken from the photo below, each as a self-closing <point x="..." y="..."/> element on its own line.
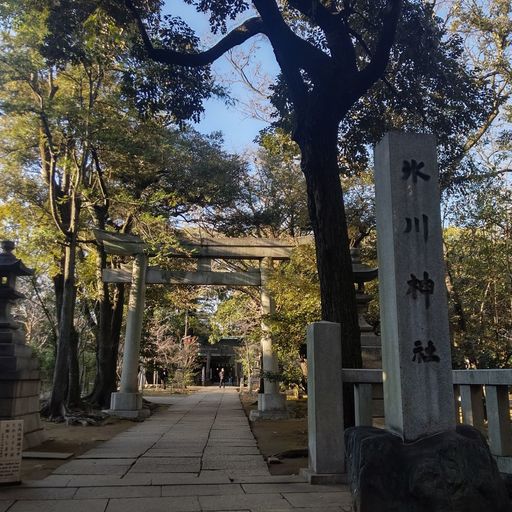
<point x="164" y="375"/>
<point x="222" y="382"/>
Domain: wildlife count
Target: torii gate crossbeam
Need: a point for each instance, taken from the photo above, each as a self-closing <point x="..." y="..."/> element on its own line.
<point x="127" y="401"/>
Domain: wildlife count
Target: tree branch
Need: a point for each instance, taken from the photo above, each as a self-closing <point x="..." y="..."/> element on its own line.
<point x="335" y="30"/>
<point x="475" y="177"/>
<point x="377" y="66"/>
<point x="237" y="36"/>
<point x="368" y="52"/>
<point x="292" y="52"/>
<point x="316" y="12"/>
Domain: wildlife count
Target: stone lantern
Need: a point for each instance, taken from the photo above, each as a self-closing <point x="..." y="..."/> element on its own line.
<point x="10" y="269"/>
<point x="19" y="369"/>
<point x="370" y="342"/>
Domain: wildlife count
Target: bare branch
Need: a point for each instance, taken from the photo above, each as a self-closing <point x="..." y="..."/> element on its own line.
<point x="475" y="177"/>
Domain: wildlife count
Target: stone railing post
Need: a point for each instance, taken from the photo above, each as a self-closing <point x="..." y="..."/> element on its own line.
<point x="498" y="416"/>
<point x="325" y="404"/>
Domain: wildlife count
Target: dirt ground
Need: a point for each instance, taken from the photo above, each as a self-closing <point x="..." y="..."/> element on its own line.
<point x="68" y="439"/>
<point x="283" y="440"/>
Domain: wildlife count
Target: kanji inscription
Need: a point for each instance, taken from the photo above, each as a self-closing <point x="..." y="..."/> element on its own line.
<point x="426" y="354"/>
<point x="416" y="225"/>
<point x="412" y="169"/>
<point x="423" y="286"/>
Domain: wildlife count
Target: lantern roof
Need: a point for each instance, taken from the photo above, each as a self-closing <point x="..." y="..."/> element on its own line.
<point x="9" y="264"/>
<point x="362" y="273"/>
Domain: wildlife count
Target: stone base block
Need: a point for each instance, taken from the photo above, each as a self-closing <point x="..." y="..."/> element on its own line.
<point x="31" y="422"/>
<point x="504" y="464"/>
<point x="140" y="414"/>
<point x="323" y="478"/>
<point x="18" y="406"/>
<point x="19" y="388"/>
<point x="35" y="438"/>
<point x="127" y="405"/>
<point x="452" y="471"/>
<point x="125" y="401"/>
<point x="271" y="402"/>
<point x="271" y="406"/>
<point x="268" y="415"/>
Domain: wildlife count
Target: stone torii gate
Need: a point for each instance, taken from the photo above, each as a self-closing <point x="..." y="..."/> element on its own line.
<point x="127" y="402"/>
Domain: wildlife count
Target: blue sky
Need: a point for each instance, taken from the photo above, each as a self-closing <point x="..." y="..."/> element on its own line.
<point x="239" y="130"/>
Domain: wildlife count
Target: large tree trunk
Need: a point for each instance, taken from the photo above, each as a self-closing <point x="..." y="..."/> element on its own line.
<point x="63" y="388"/>
<point x="67" y="331"/>
<point x="107" y="338"/>
<point x="74" y="392"/>
<point x="110" y="316"/>
<point x="58" y="285"/>
<point x="60" y="370"/>
<point x="318" y="145"/>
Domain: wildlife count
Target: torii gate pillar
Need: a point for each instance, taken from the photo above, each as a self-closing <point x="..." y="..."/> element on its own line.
<point x="127" y="402"/>
<point x="271" y="403"/>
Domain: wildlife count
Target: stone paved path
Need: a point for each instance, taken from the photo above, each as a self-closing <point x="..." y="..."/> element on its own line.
<point x="198" y="455"/>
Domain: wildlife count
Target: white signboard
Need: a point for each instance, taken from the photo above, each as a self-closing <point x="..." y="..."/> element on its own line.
<point x="11" y="446"/>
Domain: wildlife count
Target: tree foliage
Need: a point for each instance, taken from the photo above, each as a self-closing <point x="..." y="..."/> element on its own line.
<point x="479" y="277"/>
<point x="84" y="152"/>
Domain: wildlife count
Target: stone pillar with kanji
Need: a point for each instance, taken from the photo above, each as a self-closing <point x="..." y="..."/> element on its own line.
<point x="418" y="388"/>
<point x="422" y="460"/>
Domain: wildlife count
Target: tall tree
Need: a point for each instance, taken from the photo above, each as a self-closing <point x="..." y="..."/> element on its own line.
<point x="78" y="101"/>
<point x="325" y="75"/>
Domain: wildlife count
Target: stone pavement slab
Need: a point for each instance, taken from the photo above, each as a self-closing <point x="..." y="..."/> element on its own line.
<point x="302" y="487"/>
<point x="157" y="453"/>
<point x="231" y="450"/>
<point x="202" y="490"/>
<point x="166" y="465"/>
<point x="109" y="480"/>
<point x="132" y="491"/>
<point x="182" y="504"/>
<point x="49" y="481"/>
<point x="60" y="506"/>
<point x="4" y="505"/>
<point x="38" y="493"/>
<point x="197" y="454"/>
<point x="264" y="479"/>
<point x="95" y="467"/>
<point x="205" y="477"/>
<point x="253" y="502"/>
<point x="319" y="500"/>
<point x="46" y="455"/>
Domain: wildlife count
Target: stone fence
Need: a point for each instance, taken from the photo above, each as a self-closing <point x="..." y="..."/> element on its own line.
<point x="481" y="400"/>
